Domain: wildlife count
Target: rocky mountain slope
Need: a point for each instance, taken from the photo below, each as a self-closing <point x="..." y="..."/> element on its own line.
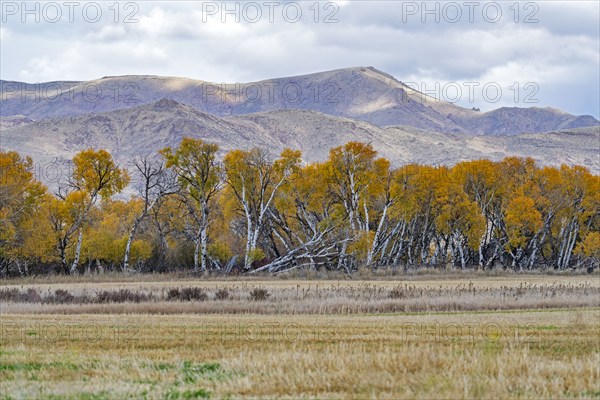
<point x="146" y="129"/>
<point x="361" y="93"/>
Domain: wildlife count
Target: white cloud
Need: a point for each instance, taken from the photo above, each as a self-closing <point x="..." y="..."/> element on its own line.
<point x="108" y="33"/>
<point x="4" y="33"/>
<point x="560" y="52"/>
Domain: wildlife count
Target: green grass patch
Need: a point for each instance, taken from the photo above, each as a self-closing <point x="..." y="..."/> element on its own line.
<point x="164" y="366"/>
<point x="35" y="366"/>
<point x="547" y="327"/>
<point x="103" y="395"/>
<point x="210" y="371"/>
<point x="198" y="393"/>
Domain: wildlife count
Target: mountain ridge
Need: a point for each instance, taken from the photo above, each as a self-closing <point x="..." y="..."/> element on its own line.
<point x="361" y="93"/>
<point x="145" y="129"/>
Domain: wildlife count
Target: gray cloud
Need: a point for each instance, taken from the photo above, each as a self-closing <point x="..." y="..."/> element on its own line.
<point x="558" y="50"/>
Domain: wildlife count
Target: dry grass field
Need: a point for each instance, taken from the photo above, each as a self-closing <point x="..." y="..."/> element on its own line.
<point x="523" y="336"/>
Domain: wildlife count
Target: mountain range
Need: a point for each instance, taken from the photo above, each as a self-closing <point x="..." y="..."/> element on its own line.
<point x="131" y="115"/>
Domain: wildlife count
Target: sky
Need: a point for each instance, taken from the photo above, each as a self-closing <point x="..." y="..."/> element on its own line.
<point x="476" y="54"/>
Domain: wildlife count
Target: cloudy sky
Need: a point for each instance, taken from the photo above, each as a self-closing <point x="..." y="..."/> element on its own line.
<point x="543" y="53"/>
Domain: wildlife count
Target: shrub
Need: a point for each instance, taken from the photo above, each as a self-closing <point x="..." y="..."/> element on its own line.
<point x="187" y="294"/>
<point x="121" y="296"/>
<point x="193" y="293"/>
<point x="33" y="296"/>
<point x="397" y="293"/>
<point x="30" y="296"/>
<point x="173" y="294"/>
<point x="10" y="295"/>
<point x="222" y="294"/>
<point x="61" y="296"/>
<point x="259" y="294"/>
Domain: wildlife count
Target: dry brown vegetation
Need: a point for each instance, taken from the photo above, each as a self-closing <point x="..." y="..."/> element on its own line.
<point x="302" y="339"/>
<point x="546" y="354"/>
<point x="301" y="297"/>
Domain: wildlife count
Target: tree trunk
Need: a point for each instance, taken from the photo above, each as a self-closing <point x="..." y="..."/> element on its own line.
<point x="534" y="252"/>
<point x="249" y="241"/>
<point x="377" y="234"/>
<point x="249" y="250"/>
<point x="461" y="252"/>
<point x="196" y="251"/>
<point x="516" y="259"/>
<point x="204" y="248"/>
<point x="129" y="242"/>
<point x="77" y="253"/>
<point x="571" y="245"/>
<point x="62" y="249"/>
<point x="342" y="259"/>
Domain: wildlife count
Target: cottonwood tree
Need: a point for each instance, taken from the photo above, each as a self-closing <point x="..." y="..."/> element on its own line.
<point x="523" y="220"/>
<point x="589" y="250"/>
<point x="458" y="221"/>
<point x="391" y="239"/>
<point x="154" y="183"/>
<point x="348" y="174"/>
<point x="66" y="214"/>
<point x="581" y="212"/>
<point x="108" y="235"/>
<point x="200" y="178"/>
<point x="301" y="223"/>
<point x="425" y="205"/>
<point x="95" y="175"/>
<point x="349" y="211"/>
<point x="381" y="198"/>
<point x="166" y="217"/>
<point x="38" y="244"/>
<point x="482" y="182"/>
<point x="254" y="180"/>
<point x="20" y="196"/>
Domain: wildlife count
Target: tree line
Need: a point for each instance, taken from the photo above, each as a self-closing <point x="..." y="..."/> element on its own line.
<point x="250" y="212"/>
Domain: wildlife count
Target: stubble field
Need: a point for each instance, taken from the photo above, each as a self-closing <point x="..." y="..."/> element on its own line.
<point x="522" y="336"/>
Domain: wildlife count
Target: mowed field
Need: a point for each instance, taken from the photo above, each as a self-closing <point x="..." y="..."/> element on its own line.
<point x="520" y="336"/>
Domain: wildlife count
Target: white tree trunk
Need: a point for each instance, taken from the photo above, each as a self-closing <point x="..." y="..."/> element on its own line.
<point x="77" y="252"/>
<point x="571" y="245"/>
<point x="249" y="241"/>
<point x="342" y="259"/>
<point x="204" y="248"/>
<point x="377" y="234"/>
<point x="128" y="245"/>
<point x="197" y="247"/>
<point x="461" y="252"/>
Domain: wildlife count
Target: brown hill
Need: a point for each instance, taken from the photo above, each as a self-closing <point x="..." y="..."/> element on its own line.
<point x="148" y="128"/>
<point x="361" y="93"/>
